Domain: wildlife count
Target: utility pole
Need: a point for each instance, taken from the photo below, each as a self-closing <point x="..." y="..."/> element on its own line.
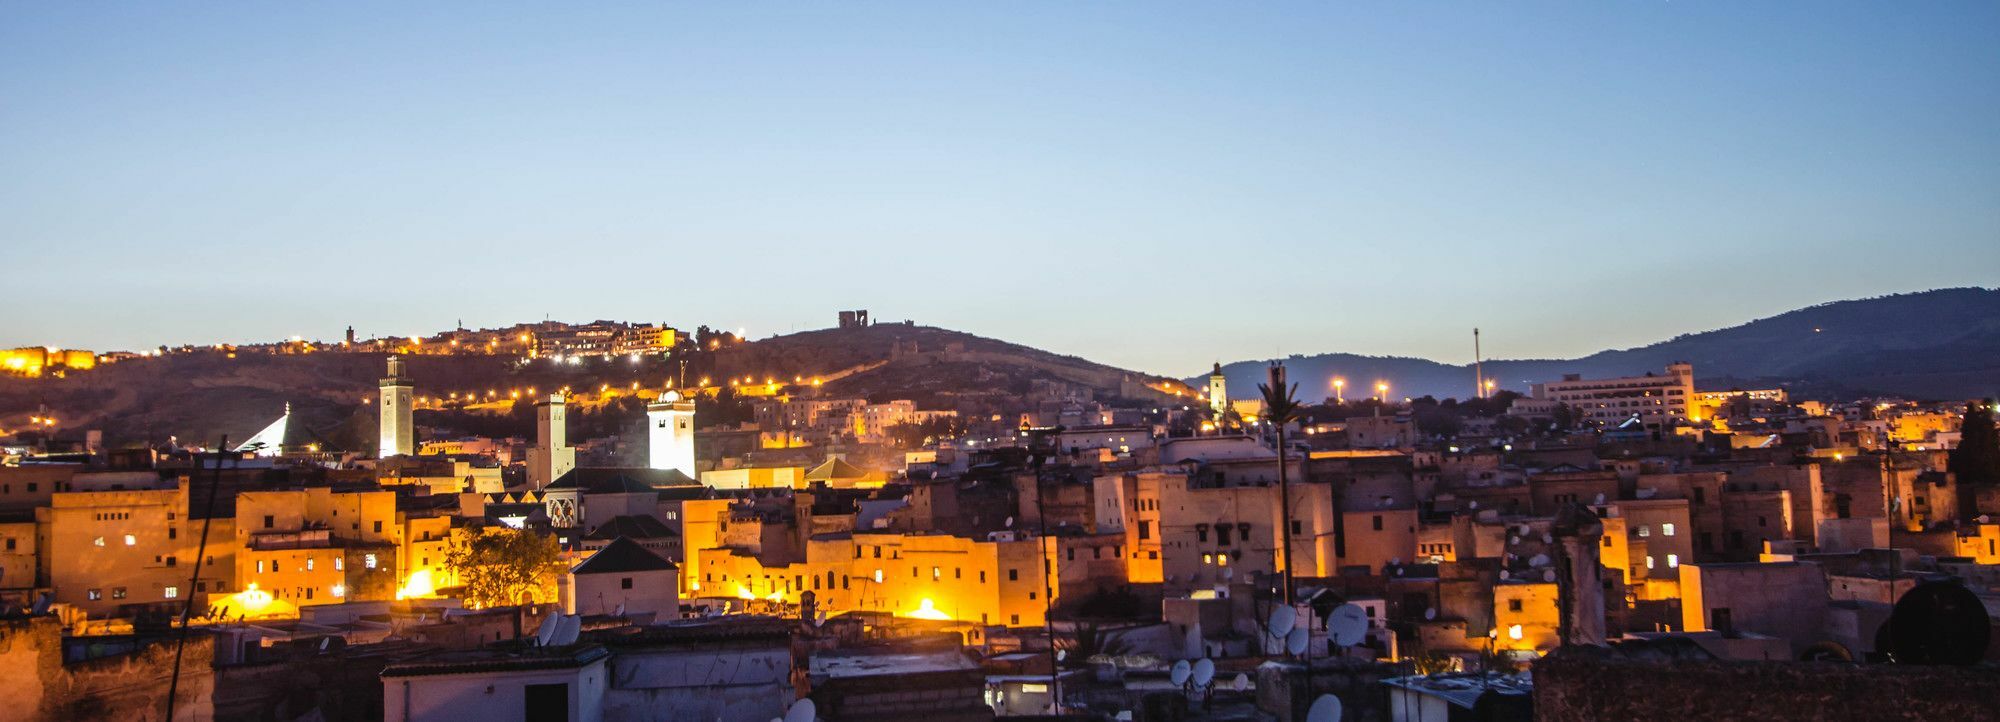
<point x="1478" y="367"/>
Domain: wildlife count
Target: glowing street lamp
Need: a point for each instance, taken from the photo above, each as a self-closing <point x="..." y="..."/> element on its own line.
<point x="1382" y="391"/>
<point x="1340" y="390"/>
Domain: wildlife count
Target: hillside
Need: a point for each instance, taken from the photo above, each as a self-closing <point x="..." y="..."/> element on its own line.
<point x="201" y="396"/>
<point x="1942" y="344"/>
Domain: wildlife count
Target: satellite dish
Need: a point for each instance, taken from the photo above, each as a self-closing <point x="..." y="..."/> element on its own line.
<point x="1600" y="499"/>
<point x="1430" y="613"/>
<point x="1228" y="572"/>
<point x="802" y="711"/>
<point x="1062" y="654"/>
<point x="819" y="620"/>
<point x="1204" y="672"/>
<point x="1324" y="709"/>
<point x="1505" y="575"/>
<point x="1009" y="523"/>
<point x="1348" y="625"/>
<point x="1179" y="674"/>
<point x="567" y="631"/>
<point x="1241" y="683"/>
<point x="547" y="631"/>
<point x="1548" y="538"/>
<point x="1298" y="640"/>
<point x="1538" y="560"/>
<point x="1282" y="619"/>
<point x="1548" y="575"/>
<point x="42" y="604"/>
<point x="619" y="611"/>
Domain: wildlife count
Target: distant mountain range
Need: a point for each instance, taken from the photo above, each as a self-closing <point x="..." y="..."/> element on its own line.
<point x="1940" y="345"/>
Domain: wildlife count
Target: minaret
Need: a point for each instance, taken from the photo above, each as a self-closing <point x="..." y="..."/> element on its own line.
<point x="671" y="434"/>
<point x="398" y="434"/>
<point x="1218" y="391"/>
<point x="552" y="456"/>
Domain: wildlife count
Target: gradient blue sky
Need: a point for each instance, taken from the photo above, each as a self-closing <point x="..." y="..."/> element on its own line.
<point x="1147" y="184"/>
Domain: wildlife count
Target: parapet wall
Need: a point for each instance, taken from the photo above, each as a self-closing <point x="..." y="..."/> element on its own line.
<point x="1588" y="684"/>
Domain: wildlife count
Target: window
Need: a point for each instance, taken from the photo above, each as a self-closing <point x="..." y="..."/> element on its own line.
<point x="1513" y="605"/>
<point x="1013" y="575"/>
<point x="1145" y="530"/>
<point x="131" y="540"/>
<point x="1072" y="553"/>
<point x="1378" y="523"/>
<point x="260" y="566"/>
<point x="1297" y="529"/>
<point x="117" y="592"/>
<point x="1699" y="495"/>
<point x="1649" y="561"/>
<point x="171" y="593"/>
<point x="310" y="563"/>
<point x="10" y="544"/>
<point x="94" y="594"/>
<point x="878" y="576"/>
<point x="1645" y="531"/>
<point x="1014" y="619"/>
<point x="1673" y="560"/>
<point x="340" y="563"/>
<point x="1222" y="535"/>
<point x="625" y="583"/>
<point x="982" y="576"/>
<point x="98" y="541"/>
<point x="270" y="521"/>
<point x="378" y="527"/>
<point x="1666" y="529"/>
<point x="368" y="561"/>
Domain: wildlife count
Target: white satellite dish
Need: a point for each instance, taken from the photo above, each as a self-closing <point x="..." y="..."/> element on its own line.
<point x="1298" y="640"/>
<point x="1548" y="575"/>
<point x="1348" y="625"/>
<point x="1242" y="682"/>
<point x="547" y="631"/>
<point x="1512" y="540"/>
<point x="1430" y="613"/>
<point x="819" y="619"/>
<point x="1062" y="654"/>
<point x="1548" y="538"/>
<point x="567" y="631"/>
<point x="1324" y="709"/>
<point x="1229" y="572"/>
<point x="1600" y="499"/>
<point x="1179" y="674"/>
<point x="802" y="711"/>
<point x="1204" y="672"/>
<point x="1538" y="560"/>
<point x="1282" y="619"/>
<point x="619" y="611"/>
<point x="1504" y="574"/>
<point x="1009" y="523"/>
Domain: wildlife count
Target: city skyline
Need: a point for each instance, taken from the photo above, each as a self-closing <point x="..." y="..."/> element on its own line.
<point x="1408" y="170"/>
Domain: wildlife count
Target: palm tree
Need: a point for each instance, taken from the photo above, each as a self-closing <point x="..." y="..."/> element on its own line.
<point x="1281" y="407"/>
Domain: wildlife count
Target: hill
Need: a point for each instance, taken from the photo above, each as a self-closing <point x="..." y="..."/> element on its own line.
<point x="1942" y="344"/>
<point x="202" y="395"/>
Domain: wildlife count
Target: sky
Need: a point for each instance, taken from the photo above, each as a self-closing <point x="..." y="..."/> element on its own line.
<point x="1147" y="184"/>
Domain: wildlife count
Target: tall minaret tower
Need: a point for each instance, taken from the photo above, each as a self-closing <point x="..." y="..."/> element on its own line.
<point x="552" y="456"/>
<point x="1218" y="391"/>
<point x="670" y="434"/>
<point x="398" y="434"/>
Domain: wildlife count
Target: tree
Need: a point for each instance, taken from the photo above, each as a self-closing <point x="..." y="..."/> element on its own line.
<point x="1565" y="417"/>
<point x="504" y="567"/>
<point x="1976" y="461"/>
<point x="1281" y="407"/>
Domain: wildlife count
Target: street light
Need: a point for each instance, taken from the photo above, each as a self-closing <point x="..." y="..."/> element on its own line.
<point x="1339" y="390"/>
<point x="1382" y="391"/>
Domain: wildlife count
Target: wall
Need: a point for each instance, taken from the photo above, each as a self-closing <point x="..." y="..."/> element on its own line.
<point x="489" y="696"/>
<point x="1576" y="684"/>
<point x="712" y="681"/>
<point x="39" y="686"/>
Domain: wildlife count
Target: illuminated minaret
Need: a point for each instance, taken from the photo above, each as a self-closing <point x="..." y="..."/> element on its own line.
<point x="671" y="436"/>
<point x="398" y="434"/>
<point x="552" y="456"/>
<point x="1218" y="391"/>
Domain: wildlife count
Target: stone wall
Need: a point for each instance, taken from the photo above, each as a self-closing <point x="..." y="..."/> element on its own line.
<point x="1576" y="684"/>
<point x="39" y="686"/>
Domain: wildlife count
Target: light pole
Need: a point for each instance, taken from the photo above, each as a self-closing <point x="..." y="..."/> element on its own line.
<point x="1340" y="391"/>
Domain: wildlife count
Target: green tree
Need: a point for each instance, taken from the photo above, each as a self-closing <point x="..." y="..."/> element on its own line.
<point x="1976" y="461"/>
<point x="502" y="567"/>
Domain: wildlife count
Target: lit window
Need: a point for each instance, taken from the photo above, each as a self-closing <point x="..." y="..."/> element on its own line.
<point x="1673" y="560"/>
<point x="1666" y="530"/>
<point x="1208" y="558"/>
<point x="1649" y="562"/>
<point x="878" y="576"/>
<point x="1645" y="531"/>
<point x="339" y="563"/>
<point x="310" y="563"/>
<point x="339" y="590"/>
<point x="368" y="561"/>
<point x="260" y="566"/>
<point x="171" y="593"/>
<point x="98" y="541"/>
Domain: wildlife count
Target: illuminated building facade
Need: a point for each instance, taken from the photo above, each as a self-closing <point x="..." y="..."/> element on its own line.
<point x="397" y="401"/>
<point x="670" y="433"/>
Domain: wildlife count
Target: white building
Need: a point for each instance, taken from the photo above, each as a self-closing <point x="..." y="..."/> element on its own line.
<point x="552" y="456"/>
<point x="563" y="684"/>
<point x="623" y="577"/>
<point x="1658" y="401"/>
<point x="670" y="433"/>
<point x="398" y="395"/>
